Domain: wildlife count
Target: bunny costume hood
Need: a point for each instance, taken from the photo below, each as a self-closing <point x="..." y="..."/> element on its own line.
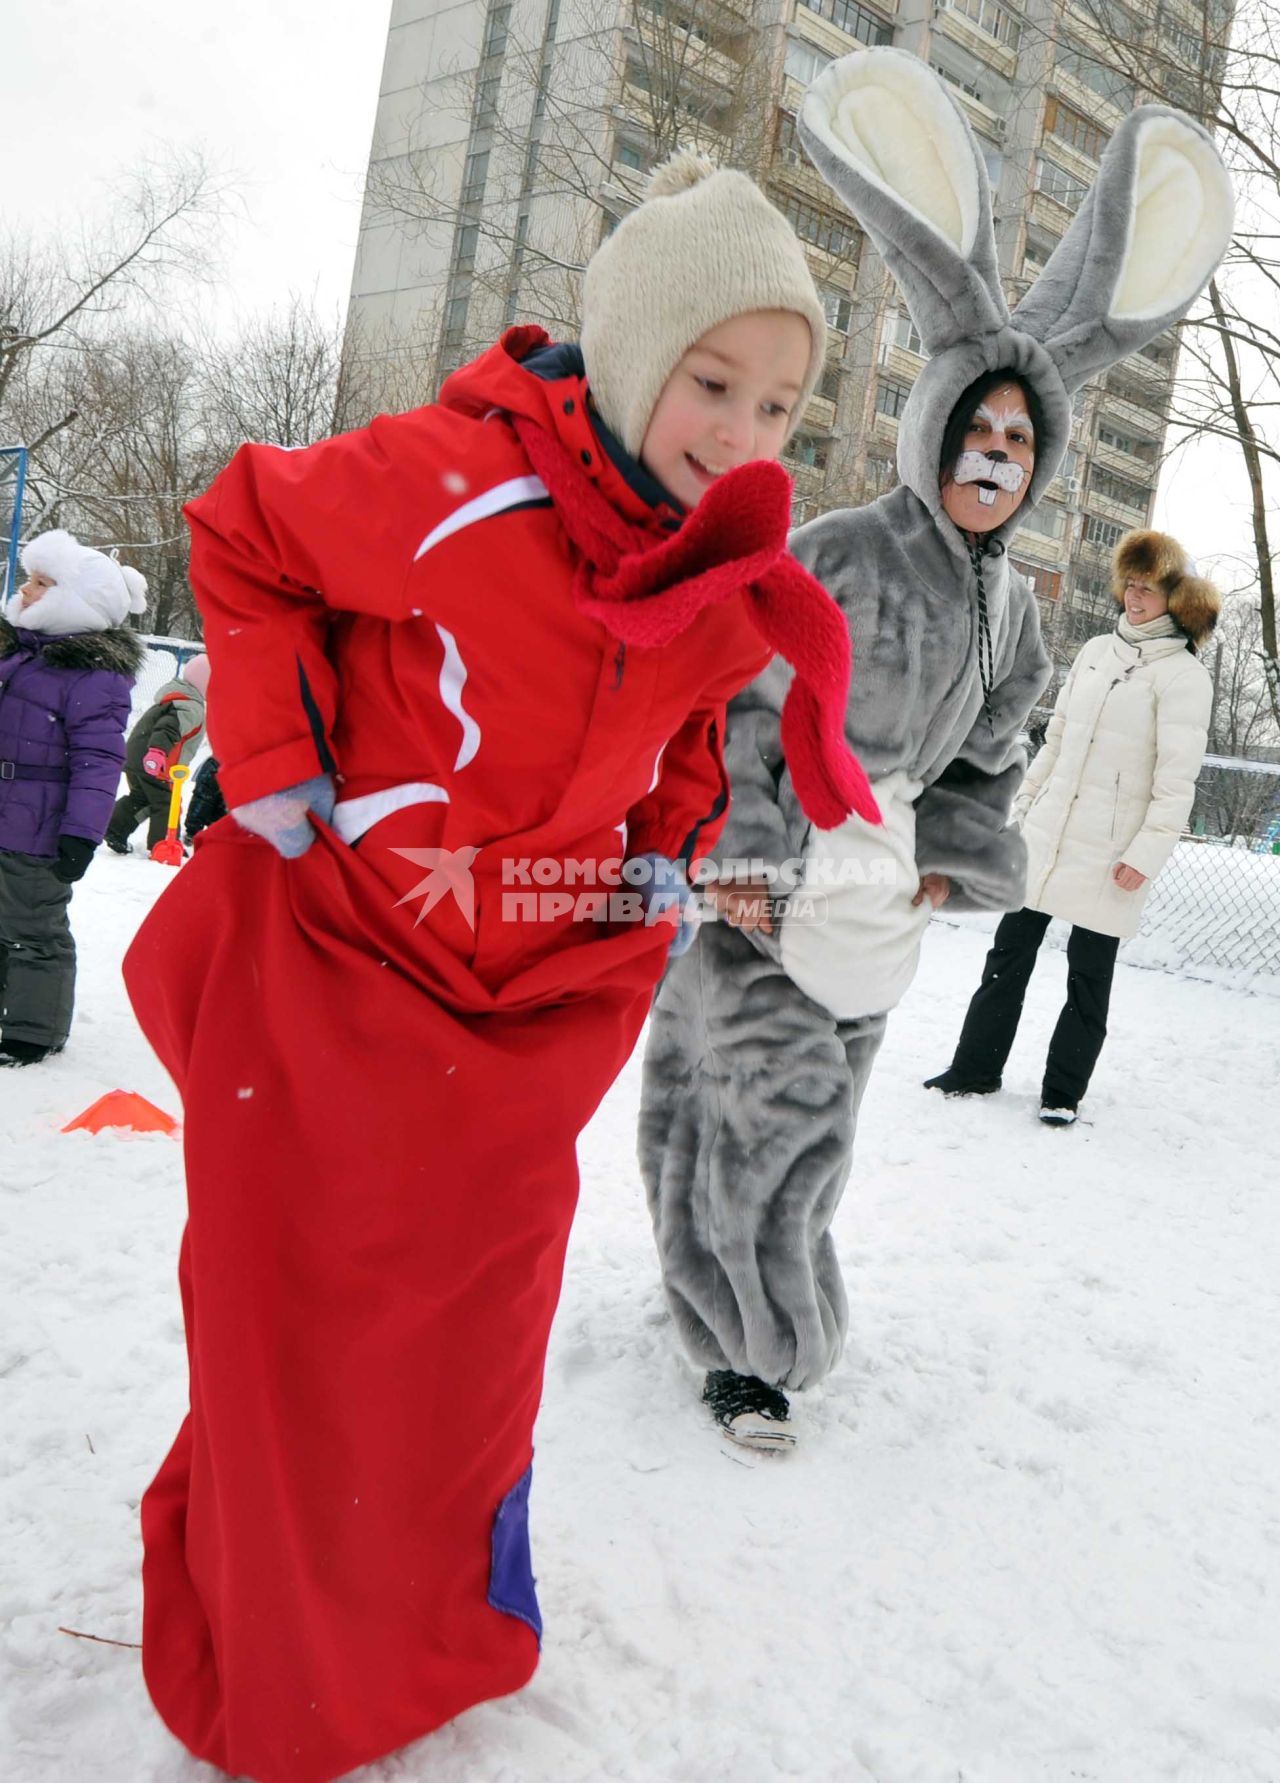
<point x="891" y="143"/>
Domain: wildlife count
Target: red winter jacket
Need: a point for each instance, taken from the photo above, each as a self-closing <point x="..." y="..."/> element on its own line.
<point x="394" y="606"/>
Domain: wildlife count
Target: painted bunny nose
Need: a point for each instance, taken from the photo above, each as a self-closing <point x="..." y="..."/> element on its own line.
<point x="998" y="457"/>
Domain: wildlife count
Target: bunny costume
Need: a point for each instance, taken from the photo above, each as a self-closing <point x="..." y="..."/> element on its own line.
<point x="761" y="1046"/>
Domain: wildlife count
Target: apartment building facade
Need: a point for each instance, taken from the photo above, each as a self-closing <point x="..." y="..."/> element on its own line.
<point x="512" y="134"/>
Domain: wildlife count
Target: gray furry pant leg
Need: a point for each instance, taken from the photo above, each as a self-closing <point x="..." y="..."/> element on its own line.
<point x="748" y="1110"/>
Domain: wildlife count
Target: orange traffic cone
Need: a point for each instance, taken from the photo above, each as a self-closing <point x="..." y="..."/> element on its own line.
<point x="169" y="852"/>
<point x="122" y="1108"/>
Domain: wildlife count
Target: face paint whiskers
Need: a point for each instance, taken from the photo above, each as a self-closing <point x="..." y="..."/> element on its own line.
<point x="976" y="467"/>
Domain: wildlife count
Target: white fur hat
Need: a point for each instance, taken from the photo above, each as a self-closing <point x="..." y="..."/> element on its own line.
<point x="91" y="591"/>
<point x="704" y="246"/>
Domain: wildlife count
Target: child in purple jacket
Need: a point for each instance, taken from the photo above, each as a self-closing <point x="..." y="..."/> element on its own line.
<point x="67" y="664"/>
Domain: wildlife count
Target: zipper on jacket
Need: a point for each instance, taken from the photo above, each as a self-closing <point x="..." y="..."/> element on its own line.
<point x="619" y="666"/>
<point x="1115" y="808"/>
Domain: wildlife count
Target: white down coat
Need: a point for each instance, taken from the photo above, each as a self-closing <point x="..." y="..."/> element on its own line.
<point x="1115" y="780"/>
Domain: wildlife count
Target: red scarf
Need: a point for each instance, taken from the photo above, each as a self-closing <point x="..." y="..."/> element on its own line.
<point x="647" y="590"/>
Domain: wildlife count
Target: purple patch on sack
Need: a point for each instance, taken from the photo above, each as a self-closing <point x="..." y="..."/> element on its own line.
<point x="511" y="1581"/>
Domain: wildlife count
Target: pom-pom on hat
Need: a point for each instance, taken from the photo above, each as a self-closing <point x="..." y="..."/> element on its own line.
<point x="195" y="672"/>
<point x="1158" y="558"/>
<point x="91" y="592"/>
<point x="705" y="245"/>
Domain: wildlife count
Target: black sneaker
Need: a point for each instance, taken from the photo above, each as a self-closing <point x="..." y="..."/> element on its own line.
<point x="952" y="1083"/>
<point x="749" y="1411"/>
<point x="23" y="1052"/>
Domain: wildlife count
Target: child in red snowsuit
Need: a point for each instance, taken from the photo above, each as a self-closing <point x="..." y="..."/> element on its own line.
<point x="467" y="658"/>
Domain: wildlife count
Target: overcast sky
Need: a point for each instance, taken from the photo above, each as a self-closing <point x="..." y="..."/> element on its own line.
<point x="281" y="94"/>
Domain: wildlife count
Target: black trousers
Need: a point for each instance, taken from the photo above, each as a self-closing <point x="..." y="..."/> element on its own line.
<point x="37" y="954"/>
<point x="992" y="1021"/>
<point x="145" y="796"/>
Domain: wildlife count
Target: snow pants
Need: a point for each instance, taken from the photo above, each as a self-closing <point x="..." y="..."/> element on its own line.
<point x="381" y="1181"/>
<point x="749" y="1106"/>
<point x="37" y="952"/>
<point x="996" y="1007"/>
<point x="145" y="798"/>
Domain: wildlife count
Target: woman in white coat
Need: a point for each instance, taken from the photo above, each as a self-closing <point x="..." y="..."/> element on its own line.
<point x="1101" y="808"/>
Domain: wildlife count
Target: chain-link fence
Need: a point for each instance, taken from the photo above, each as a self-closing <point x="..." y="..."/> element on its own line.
<point x="1217" y="902"/>
<point x="1213" y="905"/>
<point x="164" y="658"/>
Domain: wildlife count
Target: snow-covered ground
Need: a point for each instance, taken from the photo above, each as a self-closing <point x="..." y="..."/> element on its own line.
<point x="1031" y="1534"/>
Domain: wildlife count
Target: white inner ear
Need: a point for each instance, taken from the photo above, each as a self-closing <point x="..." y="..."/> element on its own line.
<point x="1181" y="223"/>
<point x="886" y="114"/>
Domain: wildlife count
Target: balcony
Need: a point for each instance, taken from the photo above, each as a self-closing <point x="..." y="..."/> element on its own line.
<point x="1107" y="508"/>
<point x="1039" y="548"/>
<point x="1130" y="418"/>
<point x="1124" y="464"/>
<point x="680" y="56"/>
<point x="831" y="38"/>
<point x="973" y="38"/>
<point x="819" y="415"/>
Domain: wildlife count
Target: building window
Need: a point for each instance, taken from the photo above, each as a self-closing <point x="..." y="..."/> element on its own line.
<point x="1132" y="443"/>
<point x="1055" y="182"/>
<point x="804" y="63"/>
<point x="1047" y="583"/>
<point x="487" y="100"/>
<point x="891" y="397"/>
<point x="991" y="19"/>
<point x="628" y="156"/>
<point x="473" y="176"/>
<point x="956" y="80"/>
<point x="1048" y="520"/>
<point x="1071" y="126"/>
<point x="1121" y="489"/>
<point x="455" y="320"/>
<point x="1102" y="532"/>
<point x="1092" y="72"/>
<point x="1039" y="247"/>
<point x="1160" y="352"/>
<point x="807" y="448"/>
<point x="858" y="21"/>
<point x="1124" y="26"/>
<point x="495" y="36"/>
<point x="901" y="331"/>
<point x="839" y="308"/>
<point x="465" y="258"/>
<point x="824" y="229"/>
<point x="788" y="141"/>
<point x="829" y="382"/>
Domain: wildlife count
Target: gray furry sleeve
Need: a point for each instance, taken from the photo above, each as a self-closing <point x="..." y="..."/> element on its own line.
<point x="757" y="828"/>
<point x="962" y="817"/>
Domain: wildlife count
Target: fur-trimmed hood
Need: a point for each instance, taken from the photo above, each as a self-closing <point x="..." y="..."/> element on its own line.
<point x="1194" y="603"/>
<point x="119" y="650"/>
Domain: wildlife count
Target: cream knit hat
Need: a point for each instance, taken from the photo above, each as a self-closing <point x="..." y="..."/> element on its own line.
<point x="705" y="245"/>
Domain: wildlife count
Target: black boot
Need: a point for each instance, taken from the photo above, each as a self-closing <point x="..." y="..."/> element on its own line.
<point x="953" y="1083"/>
<point x="24" y="1052"/>
<point x="116" y="845"/>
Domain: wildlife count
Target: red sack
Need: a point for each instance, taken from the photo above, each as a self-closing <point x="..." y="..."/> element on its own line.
<point x="381" y="1178"/>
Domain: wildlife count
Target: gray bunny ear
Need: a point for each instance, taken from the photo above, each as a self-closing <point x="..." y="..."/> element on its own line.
<point x="1143" y="245"/>
<point x="881" y="130"/>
